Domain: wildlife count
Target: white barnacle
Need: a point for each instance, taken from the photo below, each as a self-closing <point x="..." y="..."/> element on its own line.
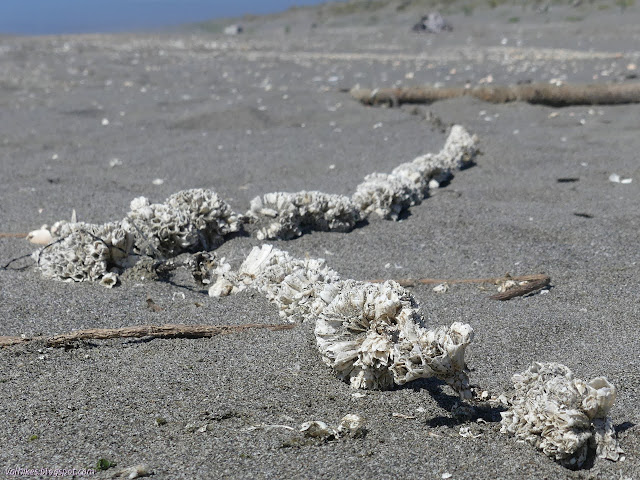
<point x="373" y="337"/>
<point x="561" y="415"/>
<point x="282" y="215"/>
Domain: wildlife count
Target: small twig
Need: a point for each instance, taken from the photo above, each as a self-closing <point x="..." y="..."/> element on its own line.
<point x="13" y="235"/>
<point x="534" y="282"/>
<point x="159" y="331"/>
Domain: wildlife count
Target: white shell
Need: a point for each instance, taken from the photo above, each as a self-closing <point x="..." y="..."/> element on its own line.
<point x="351" y="425"/>
<point x="441" y="288"/>
<point x="136" y="471"/>
<point x="562" y="415"/>
<point x="42" y="236"/>
<point x="286" y="215"/>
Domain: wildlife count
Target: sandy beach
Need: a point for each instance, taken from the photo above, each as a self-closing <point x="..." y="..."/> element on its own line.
<point x="90" y="122"/>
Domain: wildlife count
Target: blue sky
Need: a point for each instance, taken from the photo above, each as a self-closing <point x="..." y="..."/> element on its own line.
<point x="79" y="16"/>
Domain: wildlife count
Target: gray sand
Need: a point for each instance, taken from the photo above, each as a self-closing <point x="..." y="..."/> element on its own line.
<point x="263" y="112"/>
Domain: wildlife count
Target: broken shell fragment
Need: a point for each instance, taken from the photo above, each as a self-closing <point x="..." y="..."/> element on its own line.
<point x="109" y="280"/>
<point x="317" y="429"/>
<point x="506" y="285"/>
<point x="561" y="415"/>
<point x="352" y="425"/>
<point x="441" y="288"/>
<point x="136" y="471"/>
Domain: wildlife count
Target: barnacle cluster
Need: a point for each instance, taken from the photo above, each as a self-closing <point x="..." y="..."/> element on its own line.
<point x="188" y="220"/>
<point x="561" y="415"/>
<point x="292" y="284"/>
<point x="287" y="215"/>
<point x="388" y="195"/>
<point x="198" y="219"/>
<point x="371" y="334"/>
<point x="82" y="251"/>
<point x="282" y="215"/>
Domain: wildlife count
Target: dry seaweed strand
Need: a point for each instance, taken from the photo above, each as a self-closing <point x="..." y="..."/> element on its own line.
<point x="534" y="282"/>
<point x="535" y="93"/>
<point x="159" y="331"/>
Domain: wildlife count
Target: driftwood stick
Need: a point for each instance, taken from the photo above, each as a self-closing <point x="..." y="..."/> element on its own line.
<point x="13" y="235"/>
<point x="534" y="282"/>
<point x="159" y="331"/>
<point x="535" y="93"/>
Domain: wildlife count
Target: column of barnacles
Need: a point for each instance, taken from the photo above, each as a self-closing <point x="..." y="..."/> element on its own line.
<point x="372" y="335"/>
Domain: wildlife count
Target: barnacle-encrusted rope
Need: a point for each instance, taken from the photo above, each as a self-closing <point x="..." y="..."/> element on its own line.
<point x="198" y="219"/>
<point x="371" y="334"/>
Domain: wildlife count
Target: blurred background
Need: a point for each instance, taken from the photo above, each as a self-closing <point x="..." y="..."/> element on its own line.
<point x="47" y="17"/>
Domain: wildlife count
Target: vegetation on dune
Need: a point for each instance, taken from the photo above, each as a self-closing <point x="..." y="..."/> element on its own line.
<point x="370" y="12"/>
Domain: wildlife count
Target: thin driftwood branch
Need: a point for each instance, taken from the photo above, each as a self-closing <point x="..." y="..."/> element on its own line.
<point x="159" y="331"/>
<point x="13" y="235"/>
<point x="535" y="93"/>
<point x="534" y="282"/>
